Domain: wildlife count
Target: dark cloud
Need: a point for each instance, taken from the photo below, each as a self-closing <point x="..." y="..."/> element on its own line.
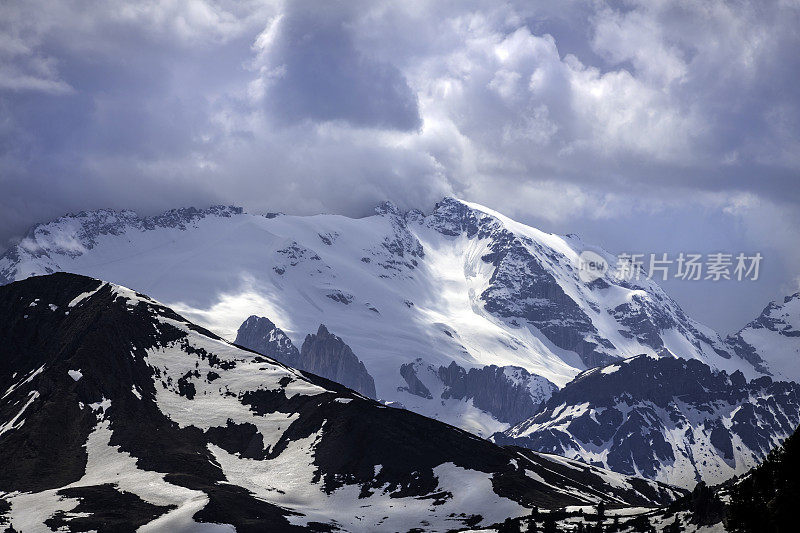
<point x="317" y="73"/>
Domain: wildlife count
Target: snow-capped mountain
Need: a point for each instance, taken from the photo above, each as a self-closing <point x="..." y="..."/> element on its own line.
<point x="663" y="418"/>
<point x="461" y="285"/>
<point x="773" y="339"/>
<point x="117" y="414"/>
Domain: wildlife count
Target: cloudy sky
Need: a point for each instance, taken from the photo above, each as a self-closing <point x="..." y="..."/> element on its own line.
<point x="644" y="126"/>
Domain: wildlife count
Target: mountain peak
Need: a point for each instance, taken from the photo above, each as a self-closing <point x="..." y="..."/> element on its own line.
<point x="449" y="200"/>
<point x="253" y="320"/>
<point x="773" y="338"/>
<point x="388" y="208"/>
<point x="789" y="298"/>
<point x="462" y="283"/>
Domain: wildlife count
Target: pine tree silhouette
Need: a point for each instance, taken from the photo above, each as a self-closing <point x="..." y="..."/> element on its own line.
<point x="765" y="500"/>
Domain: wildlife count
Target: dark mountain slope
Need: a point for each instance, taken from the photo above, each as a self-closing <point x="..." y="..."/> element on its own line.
<point x="765" y="500"/>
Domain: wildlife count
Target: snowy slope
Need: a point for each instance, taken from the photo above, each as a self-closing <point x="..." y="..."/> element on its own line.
<point x="124" y="415"/>
<point x="773" y="337"/>
<point x="665" y="419"/>
<point x="462" y="284"/>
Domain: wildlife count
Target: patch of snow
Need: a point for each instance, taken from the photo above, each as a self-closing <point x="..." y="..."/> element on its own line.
<point x="288" y="481"/>
<point x="81" y="297"/>
<point x="108" y="464"/>
<point x="25" y="381"/>
<point x="12" y="424"/>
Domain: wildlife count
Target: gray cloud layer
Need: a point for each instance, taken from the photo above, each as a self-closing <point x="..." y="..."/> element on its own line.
<point x="320" y="76"/>
<point x="635" y="123"/>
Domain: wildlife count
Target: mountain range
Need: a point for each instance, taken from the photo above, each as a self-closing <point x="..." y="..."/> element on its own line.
<point x="120" y="415"/>
<point x="462" y="315"/>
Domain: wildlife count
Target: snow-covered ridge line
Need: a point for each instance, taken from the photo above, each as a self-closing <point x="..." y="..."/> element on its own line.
<point x="74" y="234"/>
<point x="776" y="332"/>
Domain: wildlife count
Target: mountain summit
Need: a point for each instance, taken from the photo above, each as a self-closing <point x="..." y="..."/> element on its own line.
<point x="775" y="334"/>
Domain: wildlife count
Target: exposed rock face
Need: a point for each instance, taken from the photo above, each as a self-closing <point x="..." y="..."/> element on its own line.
<point x="510" y="394"/>
<point x="523" y="285"/>
<point x="415" y="386"/>
<point x="323" y="354"/>
<point x="502" y="391"/>
<point x="664" y="418"/>
<point x="400" y="252"/>
<point x="261" y="335"/>
<point x="328" y="356"/>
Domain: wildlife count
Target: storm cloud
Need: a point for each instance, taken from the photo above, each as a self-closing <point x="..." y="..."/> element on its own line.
<point x="652" y="126"/>
<point x="316" y="73"/>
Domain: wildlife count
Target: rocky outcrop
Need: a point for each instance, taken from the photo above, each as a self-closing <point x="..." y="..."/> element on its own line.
<point x="261" y="335"/>
<point x="328" y="356"/>
<point x="494" y="390"/>
<point x="509" y="393"/>
<point x="400" y="252"/>
<point x="535" y="283"/>
<point x="323" y="354"/>
<point x="415" y="386"/>
<point x="523" y="285"/>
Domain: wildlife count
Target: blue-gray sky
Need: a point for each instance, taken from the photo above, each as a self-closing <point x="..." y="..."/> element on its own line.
<point x="652" y="126"/>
